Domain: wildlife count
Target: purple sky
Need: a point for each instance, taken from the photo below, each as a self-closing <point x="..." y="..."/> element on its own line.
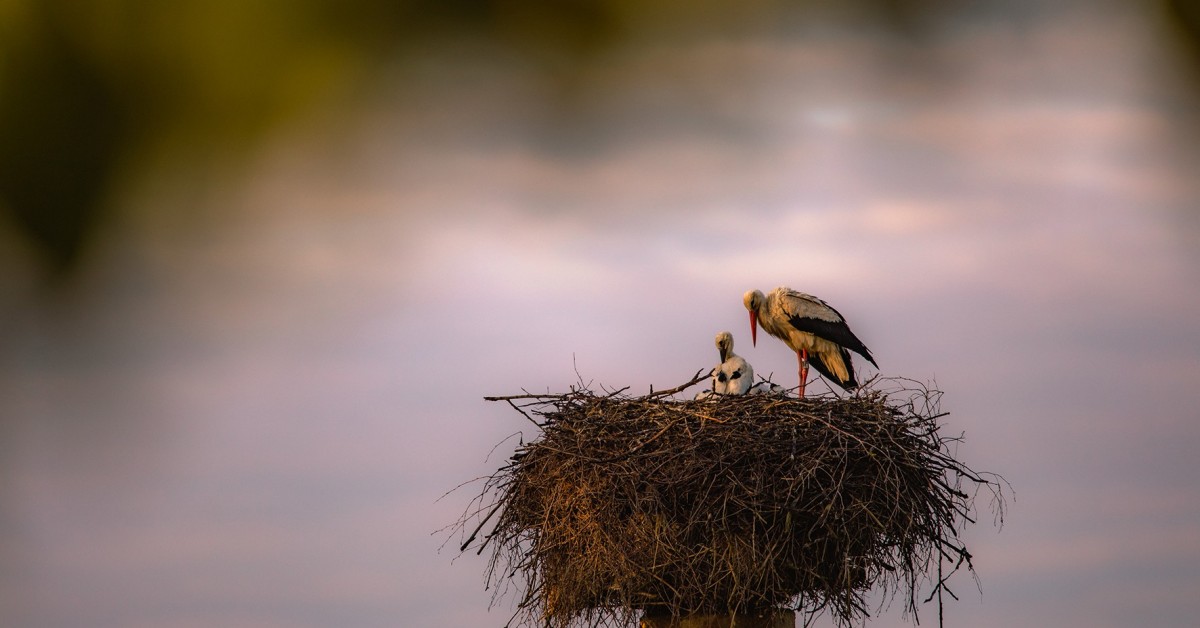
<point x="244" y="413"/>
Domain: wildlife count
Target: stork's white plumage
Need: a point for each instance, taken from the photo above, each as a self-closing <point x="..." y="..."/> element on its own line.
<point x="733" y="376"/>
<point x="767" y="388"/>
<point x="809" y="326"/>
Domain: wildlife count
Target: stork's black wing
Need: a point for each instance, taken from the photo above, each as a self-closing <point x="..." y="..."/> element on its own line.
<point x="834" y="331"/>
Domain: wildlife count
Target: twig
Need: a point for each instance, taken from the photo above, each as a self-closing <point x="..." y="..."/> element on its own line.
<point x="696" y="379"/>
<point x="479" y="527"/>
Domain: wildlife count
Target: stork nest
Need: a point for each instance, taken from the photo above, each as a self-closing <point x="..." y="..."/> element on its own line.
<point x="739" y="505"/>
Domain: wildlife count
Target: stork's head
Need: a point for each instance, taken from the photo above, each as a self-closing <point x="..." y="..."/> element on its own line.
<point x="754" y="300"/>
<point x="725" y="345"/>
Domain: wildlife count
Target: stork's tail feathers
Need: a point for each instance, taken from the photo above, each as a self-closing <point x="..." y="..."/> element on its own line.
<point x="866" y="353"/>
<point x="836" y="367"/>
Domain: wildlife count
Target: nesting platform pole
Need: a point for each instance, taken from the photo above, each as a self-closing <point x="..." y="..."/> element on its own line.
<point x="777" y="619"/>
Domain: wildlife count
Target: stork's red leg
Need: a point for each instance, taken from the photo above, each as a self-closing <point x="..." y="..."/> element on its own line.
<point x="802" y="355"/>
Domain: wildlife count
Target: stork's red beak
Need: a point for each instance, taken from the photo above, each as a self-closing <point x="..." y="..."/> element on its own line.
<point x="753" y="328"/>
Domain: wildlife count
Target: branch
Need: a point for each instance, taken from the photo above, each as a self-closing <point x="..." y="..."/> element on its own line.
<point x="699" y="377"/>
<point x="510" y="397"/>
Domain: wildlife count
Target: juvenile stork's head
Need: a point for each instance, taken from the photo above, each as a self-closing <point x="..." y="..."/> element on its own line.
<point x="753" y="301"/>
<point x="725" y="345"/>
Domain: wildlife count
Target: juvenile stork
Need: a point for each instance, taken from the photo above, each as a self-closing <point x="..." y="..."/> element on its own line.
<point x="807" y="325"/>
<point x="733" y="376"/>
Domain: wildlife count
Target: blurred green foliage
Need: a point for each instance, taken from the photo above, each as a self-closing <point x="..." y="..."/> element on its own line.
<point x="90" y="87"/>
<point x="87" y="84"/>
<point x="87" y="87"/>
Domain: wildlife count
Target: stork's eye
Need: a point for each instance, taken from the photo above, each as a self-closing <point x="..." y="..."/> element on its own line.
<point x="721" y="377"/>
<point x="736" y="374"/>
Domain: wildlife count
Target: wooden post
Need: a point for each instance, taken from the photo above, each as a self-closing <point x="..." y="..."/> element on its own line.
<point x="775" y="619"/>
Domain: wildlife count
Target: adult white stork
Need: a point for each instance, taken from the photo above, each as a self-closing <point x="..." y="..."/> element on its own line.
<point x="807" y="325"/>
<point x="734" y="375"/>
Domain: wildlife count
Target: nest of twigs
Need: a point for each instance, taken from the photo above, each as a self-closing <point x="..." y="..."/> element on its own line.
<point x="736" y="505"/>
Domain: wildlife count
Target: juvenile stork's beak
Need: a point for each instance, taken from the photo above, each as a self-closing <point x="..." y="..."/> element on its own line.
<point x="753" y="328"/>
